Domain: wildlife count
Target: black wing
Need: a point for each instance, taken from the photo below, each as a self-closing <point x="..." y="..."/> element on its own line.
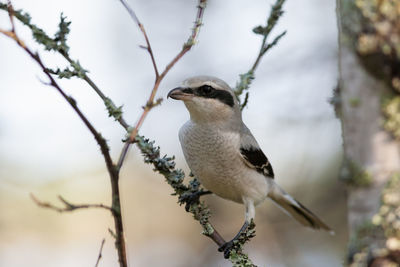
<point x="255" y="158"/>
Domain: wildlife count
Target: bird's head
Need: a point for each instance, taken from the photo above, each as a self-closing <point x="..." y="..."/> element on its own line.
<point x="208" y="99"/>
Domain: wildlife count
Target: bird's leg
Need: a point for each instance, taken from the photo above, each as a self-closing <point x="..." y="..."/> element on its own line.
<point x="228" y="246"/>
<point x="190" y="198"/>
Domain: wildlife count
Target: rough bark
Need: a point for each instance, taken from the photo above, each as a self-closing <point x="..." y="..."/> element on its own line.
<point x="371" y="154"/>
<point x="369" y="150"/>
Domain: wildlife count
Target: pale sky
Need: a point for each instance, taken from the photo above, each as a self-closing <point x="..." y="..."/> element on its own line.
<point x="288" y="101"/>
<point x="42" y="139"/>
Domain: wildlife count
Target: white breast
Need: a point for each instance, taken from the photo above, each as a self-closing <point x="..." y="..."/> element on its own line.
<point x="214" y="157"/>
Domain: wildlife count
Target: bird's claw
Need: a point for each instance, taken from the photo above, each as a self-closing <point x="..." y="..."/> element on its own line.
<point x="226" y="248"/>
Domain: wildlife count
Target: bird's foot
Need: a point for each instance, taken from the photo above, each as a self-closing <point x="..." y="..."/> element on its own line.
<point x="226" y="248"/>
<point x="244" y="235"/>
<point x="190" y="198"/>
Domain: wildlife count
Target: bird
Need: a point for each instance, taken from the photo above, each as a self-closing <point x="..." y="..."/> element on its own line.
<point x="224" y="155"/>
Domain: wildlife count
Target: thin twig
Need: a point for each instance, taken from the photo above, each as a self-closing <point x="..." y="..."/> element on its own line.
<point x="209" y="230"/>
<point x="86" y="77"/>
<point x="112" y="233"/>
<point x="142" y="29"/>
<point x="264" y="48"/>
<point x="150" y="102"/>
<point x="68" y="207"/>
<point x="113" y="172"/>
<point x="11" y="15"/>
<point x="35" y="56"/>
<point x="37" y="32"/>
<point x="100" y="252"/>
<point x="246" y="78"/>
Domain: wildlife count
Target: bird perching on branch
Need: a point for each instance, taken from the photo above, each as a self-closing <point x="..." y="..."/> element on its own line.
<point x="226" y="158"/>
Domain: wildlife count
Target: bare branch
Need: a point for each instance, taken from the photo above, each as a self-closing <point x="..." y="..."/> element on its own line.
<point x="113" y="172"/>
<point x="11" y="15"/>
<point x="68" y="207"/>
<point x="163" y="165"/>
<point x="192" y="38"/>
<point x="130" y="11"/>
<point x="35" y="56"/>
<point x="150" y="102"/>
<point x="141" y="27"/>
<point x="51" y="44"/>
<point x="100" y="252"/>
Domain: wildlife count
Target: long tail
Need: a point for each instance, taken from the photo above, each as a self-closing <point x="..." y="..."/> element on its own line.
<point x="296" y="210"/>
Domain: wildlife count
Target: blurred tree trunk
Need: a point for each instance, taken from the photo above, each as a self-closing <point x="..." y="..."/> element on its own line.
<point x="368" y="103"/>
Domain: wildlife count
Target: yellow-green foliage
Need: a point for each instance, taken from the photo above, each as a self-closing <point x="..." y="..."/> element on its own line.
<point x="357" y="175"/>
<point x="381" y="31"/>
<point x="391" y="111"/>
<point x="389" y="213"/>
<point x="380" y="36"/>
<point x="385" y="223"/>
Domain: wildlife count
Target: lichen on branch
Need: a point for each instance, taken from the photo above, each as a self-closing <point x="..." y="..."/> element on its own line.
<point x="245" y="79"/>
<point x="165" y="165"/>
<point x="175" y="178"/>
<point x="364" y="250"/>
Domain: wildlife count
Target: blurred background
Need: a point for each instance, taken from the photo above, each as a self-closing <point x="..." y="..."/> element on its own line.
<point x="46" y="149"/>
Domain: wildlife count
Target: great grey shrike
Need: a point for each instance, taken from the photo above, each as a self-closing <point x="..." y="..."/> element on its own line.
<point x="223" y="154"/>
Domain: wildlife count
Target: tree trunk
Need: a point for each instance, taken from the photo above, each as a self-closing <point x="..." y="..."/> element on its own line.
<point x="371" y="150"/>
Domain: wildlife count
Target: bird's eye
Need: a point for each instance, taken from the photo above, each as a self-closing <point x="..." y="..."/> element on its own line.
<point x="206" y="89"/>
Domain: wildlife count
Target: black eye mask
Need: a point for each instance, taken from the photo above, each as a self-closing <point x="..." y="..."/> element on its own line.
<point x="208" y="91"/>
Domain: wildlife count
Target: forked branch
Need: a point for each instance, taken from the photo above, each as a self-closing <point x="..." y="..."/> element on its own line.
<point x="68" y="206"/>
<point x="164" y="165"/>
<point x="114" y="175"/>
<point x="246" y="78"/>
<point x="150" y="102"/>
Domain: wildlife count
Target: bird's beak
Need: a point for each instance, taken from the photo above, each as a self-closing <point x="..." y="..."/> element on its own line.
<point x="179" y="94"/>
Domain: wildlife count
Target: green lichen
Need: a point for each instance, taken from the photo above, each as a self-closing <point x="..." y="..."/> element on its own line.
<point x="389" y="213"/>
<point x="391" y="112"/>
<point x="57" y="43"/>
<point x="372" y="29"/>
<point x="67" y="73"/>
<point x="384" y="227"/>
<point x="113" y="111"/>
<point x="355" y="175"/>
<point x="354" y="102"/>
<point x="61" y="35"/>
<point x="175" y="178"/>
<point x="382" y="34"/>
<point x="244" y="82"/>
<point x="378" y="39"/>
<point x="236" y="256"/>
<point x="358" y="247"/>
<point x="263" y="30"/>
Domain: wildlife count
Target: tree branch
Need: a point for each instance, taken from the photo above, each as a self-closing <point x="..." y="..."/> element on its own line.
<point x="246" y="78"/>
<point x="35" y="56"/>
<point x="164" y="165"/>
<point x="68" y="207"/>
<point x="113" y="172"/>
<point x="150" y="102"/>
<point x="62" y="48"/>
<point x="142" y="29"/>
<point x="113" y="110"/>
<point x="174" y="177"/>
<point x="100" y="252"/>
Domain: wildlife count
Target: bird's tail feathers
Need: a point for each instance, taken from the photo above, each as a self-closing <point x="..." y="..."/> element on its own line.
<point x="296" y="210"/>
